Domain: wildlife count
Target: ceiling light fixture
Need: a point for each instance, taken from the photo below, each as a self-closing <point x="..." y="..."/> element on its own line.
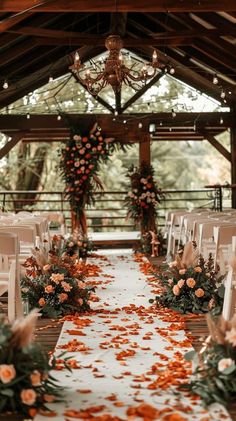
<point x="113" y="71"/>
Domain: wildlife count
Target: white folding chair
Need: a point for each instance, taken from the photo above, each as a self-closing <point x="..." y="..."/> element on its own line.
<point x="10" y="274"/>
<point x="230" y="287"/>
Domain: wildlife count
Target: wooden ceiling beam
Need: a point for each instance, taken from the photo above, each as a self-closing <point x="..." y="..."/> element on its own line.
<point x="121" y="6"/>
<point x="13" y="20"/>
<point x="218" y="146"/>
<point x="16" y="138"/>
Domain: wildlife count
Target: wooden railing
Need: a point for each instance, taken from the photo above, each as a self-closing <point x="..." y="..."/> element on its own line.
<point x="109" y="211"/>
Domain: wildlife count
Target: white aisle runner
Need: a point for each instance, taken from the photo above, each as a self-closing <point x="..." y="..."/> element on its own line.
<point x="115" y="382"/>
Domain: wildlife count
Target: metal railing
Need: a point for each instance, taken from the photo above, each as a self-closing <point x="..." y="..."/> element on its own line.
<point x="109" y="212"/>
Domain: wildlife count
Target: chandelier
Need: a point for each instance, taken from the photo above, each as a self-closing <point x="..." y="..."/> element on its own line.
<point x="113" y="71"/>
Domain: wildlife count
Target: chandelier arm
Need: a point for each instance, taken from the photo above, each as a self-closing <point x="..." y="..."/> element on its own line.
<point x="142" y="77"/>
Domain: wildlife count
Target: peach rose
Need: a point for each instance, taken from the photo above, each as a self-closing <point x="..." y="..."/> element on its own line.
<point x="7" y="373"/>
<point x="80" y="301"/>
<point x="28" y="396"/>
<point x="49" y="289"/>
<point x="199" y="292"/>
<point x="198" y="269"/>
<point x="181" y="283"/>
<point x="35" y="378"/>
<point x="42" y="302"/>
<point x="81" y="284"/>
<point x="191" y="282"/>
<point x="176" y="290"/>
<point x="224" y="363"/>
<point x="66" y="286"/>
<point x="182" y="271"/>
<point x="62" y="297"/>
<point x="57" y="277"/>
<point x="231" y="336"/>
<point x="170" y="281"/>
<point x="49" y="398"/>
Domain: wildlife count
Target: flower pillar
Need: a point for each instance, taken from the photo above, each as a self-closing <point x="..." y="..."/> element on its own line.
<point x="145" y="150"/>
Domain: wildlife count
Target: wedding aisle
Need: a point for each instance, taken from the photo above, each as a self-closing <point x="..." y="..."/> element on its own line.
<point x="127" y="359"/>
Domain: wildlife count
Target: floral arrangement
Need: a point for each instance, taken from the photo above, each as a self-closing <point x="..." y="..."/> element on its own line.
<point x="78" y="244"/>
<point x="215" y="374"/>
<point x="146" y="244"/>
<point x="79" y="164"/>
<point x="54" y="283"/>
<point x="143" y="198"/>
<point x="190" y="284"/>
<point x="26" y="385"/>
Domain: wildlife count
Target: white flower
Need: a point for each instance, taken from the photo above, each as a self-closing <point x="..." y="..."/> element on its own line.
<point x="77" y="164"/>
<point x="88" y="146"/>
<point x="142" y="180"/>
<point x="148" y="200"/>
<point x="231" y="336"/>
<point x="224" y="363"/>
<point x="76" y="137"/>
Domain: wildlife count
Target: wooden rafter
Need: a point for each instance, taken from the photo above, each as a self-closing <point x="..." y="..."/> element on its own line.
<point x="122" y="5"/>
<point x="10" y="144"/>
<point x="144" y="89"/>
<point x="13" y="20"/>
<point x="217" y="145"/>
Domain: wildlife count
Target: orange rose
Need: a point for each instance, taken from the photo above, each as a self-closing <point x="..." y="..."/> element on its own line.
<point x="67" y="287"/>
<point x="198" y="269"/>
<point x="81" y="284"/>
<point x="57" y="277"/>
<point x="7" y="373"/>
<point x="176" y="290"/>
<point x="28" y="396"/>
<point x="35" y="378"/>
<point x="49" y="289"/>
<point x="62" y="297"/>
<point x="32" y="412"/>
<point x="42" y="302"/>
<point x="182" y="271"/>
<point x="191" y="282"/>
<point x="199" y="292"/>
<point x="49" y="398"/>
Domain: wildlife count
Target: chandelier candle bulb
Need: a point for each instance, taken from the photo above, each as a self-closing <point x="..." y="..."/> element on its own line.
<point x="5" y="85"/>
<point x="50" y="79"/>
<point x="154" y="56"/>
<point x="215" y="80"/>
<point x="222" y="95"/>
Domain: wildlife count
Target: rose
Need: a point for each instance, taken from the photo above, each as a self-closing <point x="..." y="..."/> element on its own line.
<point x="182" y="271"/>
<point x="35" y="378"/>
<point x="176" y="290"/>
<point x="62" y="297"/>
<point x="28" y="396"/>
<point x="224" y="363"/>
<point x="231" y="336"/>
<point x="48" y="398"/>
<point x="42" y="302"/>
<point x="81" y="284"/>
<point x="76" y="137"/>
<point x="198" y="269"/>
<point x="7" y="373"/>
<point x="57" y="277"/>
<point x="199" y="292"/>
<point x="66" y="286"/>
<point x="49" y="289"/>
<point x="181" y="283"/>
<point x="191" y="282"/>
<point x="170" y="281"/>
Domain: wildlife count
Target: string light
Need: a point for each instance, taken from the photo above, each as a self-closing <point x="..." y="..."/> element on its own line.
<point x="116" y="112"/>
<point x="59" y="117"/>
<point x="124" y="121"/>
<point x="215" y="79"/>
<point x="222" y="94"/>
<point x="5" y="85"/>
<point x="172" y="71"/>
<point x="160" y="123"/>
<point x="221" y="120"/>
<point x="140" y="125"/>
<point x="173" y="113"/>
<point x="50" y="79"/>
<point x="28" y="116"/>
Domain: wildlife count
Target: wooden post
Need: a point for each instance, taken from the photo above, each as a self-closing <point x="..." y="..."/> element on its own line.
<point x="145" y="149"/>
<point x="233" y="156"/>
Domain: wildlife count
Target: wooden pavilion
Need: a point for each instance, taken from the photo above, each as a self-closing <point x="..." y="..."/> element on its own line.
<point x="38" y="39"/>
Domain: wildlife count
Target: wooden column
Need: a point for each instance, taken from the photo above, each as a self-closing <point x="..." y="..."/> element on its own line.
<point x="145" y="149"/>
<point x="233" y="155"/>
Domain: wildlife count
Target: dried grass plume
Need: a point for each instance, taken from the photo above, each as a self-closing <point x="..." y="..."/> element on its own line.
<point x="23" y="330"/>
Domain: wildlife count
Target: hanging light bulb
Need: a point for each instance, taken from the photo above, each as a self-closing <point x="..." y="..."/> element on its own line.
<point x="161" y="123"/>
<point x="116" y="112"/>
<point x="59" y="117"/>
<point x="28" y="116"/>
<point x="154" y="56"/>
<point x="172" y="70"/>
<point x="215" y="79"/>
<point x="222" y="94"/>
<point x="221" y="120"/>
<point x="140" y="125"/>
<point x="173" y="113"/>
<point x="124" y="121"/>
<point x="50" y="79"/>
<point x="5" y="85"/>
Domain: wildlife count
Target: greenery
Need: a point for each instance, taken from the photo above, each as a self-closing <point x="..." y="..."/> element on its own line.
<point x="26" y="383"/>
<point x="193" y="287"/>
<point x="214" y="378"/>
<point x="146" y="245"/>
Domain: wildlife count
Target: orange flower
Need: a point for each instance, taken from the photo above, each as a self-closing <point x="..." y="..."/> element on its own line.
<point x="7" y="373"/>
<point x="42" y="302"/>
<point x="49" y="289"/>
<point x="181" y="283"/>
<point x="182" y="271"/>
<point x="191" y="282"/>
<point x="199" y="292"/>
<point x="35" y="378"/>
<point x="57" y="277"/>
<point x="198" y="269"/>
<point x="28" y="396"/>
<point x="62" y="297"/>
<point x="66" y="286"/>
<point x="46" y="267"/>
<point x="49" y="398"/>
<point x="176" y="290"/>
